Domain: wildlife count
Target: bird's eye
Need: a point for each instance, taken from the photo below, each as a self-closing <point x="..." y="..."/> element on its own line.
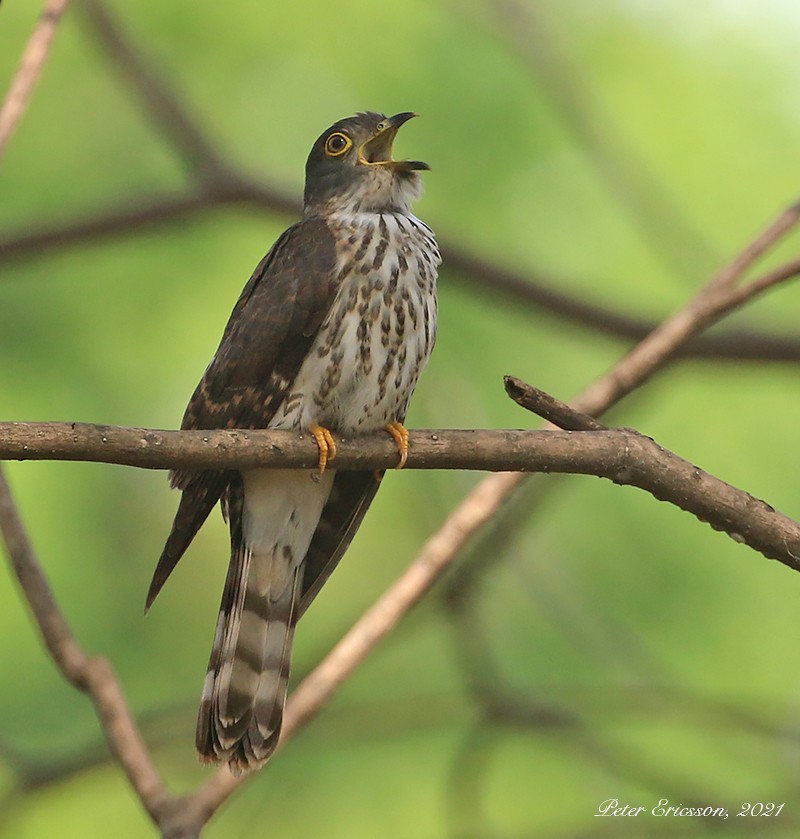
<point x="337" y="144"/>
<point x="382" y="126"/>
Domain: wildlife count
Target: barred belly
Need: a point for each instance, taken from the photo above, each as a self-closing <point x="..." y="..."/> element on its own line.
<point x="371" y="348"/>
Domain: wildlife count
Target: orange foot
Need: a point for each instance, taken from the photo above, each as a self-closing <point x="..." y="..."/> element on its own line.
<point x="400" y="435"/>
<point x="325" y="443"/>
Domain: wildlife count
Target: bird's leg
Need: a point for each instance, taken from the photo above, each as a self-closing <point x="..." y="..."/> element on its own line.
<point x="325" y="443"/>
<point x="400" y="435"/>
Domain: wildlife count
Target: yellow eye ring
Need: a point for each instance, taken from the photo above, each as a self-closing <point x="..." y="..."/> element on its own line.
<point x="337" y="144"/>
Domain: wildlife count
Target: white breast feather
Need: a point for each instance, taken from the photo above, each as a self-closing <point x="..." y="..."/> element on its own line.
<point x="366" y="359"/>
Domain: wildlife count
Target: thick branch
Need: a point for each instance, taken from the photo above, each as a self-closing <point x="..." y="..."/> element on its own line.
<point x="622" y="456"/>
<point x="240" y="448"/>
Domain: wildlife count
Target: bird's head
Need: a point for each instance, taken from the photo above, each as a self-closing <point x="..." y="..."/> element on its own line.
<point x="350" y="167"/>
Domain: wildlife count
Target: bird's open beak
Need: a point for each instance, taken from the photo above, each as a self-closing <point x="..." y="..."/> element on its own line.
<point x="378" y="149"/>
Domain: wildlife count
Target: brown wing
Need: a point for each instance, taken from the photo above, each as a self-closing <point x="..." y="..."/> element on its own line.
<point x="268" y="335"/>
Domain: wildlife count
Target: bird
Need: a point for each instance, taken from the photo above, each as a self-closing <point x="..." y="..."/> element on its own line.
<point x="328" y="337"/>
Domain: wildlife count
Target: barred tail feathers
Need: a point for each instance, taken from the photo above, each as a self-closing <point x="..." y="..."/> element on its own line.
<point x="245" y="688"/>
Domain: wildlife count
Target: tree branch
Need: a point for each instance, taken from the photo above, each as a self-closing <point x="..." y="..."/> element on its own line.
<point x="720" y="296"/>
<point x="91" y="675"/>
<point x="622" y="456"/>
<point x="30" y="68"/>
<point x="549" y="408"/>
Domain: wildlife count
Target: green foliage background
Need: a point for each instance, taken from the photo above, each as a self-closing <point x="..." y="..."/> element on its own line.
<point x="666" y="652"/>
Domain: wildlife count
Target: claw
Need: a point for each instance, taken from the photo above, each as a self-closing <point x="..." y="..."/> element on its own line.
<point x="325" y="443"/>
<point x="400" y="435"/>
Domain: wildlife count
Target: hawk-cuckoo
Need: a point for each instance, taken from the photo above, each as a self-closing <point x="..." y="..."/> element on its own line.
<point x="329" y="335"/>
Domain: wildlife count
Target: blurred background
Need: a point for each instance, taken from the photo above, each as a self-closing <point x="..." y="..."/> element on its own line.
<point x="592" y="643"/>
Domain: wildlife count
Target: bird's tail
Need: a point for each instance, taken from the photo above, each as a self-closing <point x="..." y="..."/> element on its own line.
<point x="245" y="688"/>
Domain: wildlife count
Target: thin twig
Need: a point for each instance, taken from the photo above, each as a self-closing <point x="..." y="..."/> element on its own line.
<point x="714" y="301"/>
<point x="30" y="68"/>
<point x="549" y="408"/>
<point x="730" y="275"/>
<point x="765" y="282"/>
